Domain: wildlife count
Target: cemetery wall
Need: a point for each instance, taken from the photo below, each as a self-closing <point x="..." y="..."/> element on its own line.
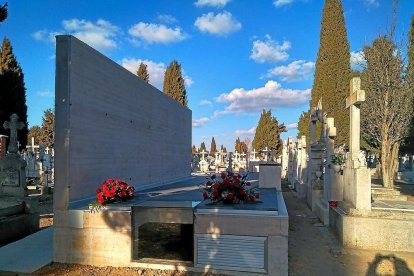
<point x="111" y="124"/>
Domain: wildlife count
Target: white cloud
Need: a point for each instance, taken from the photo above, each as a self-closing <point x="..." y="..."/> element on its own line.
<point x="279" y="3"/>
<point x="206" y="102"/>
<point x="358" y="59"/>
<point x="156" y="33"/>
<point x="372" y="3"/>
<point x="200" y="122"/>
<point x="220" y="24"/>
<point x="247" y="132"/>
<point x="212" y="3"/>
<point x="45" y="94"/>
<point x="291" y="126"/>
<point x="295" y="71"/>
<point x="167" y="18"/>
<point x="269" y="50"/>
<point x="100" y="35"/>
<point x="271" y="96"/>
<point x="155" y="70"/>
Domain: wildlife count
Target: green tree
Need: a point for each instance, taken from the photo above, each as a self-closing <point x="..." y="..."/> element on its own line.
<point x="388" y="109"/>
<point x="3" y="12"/>
<point x="332" y="70"/>
<point x="237" y="145"/>
<point x="408" y="145"/>
<point x="303" y="125"/>
<point x="47" y="131"/>
<point x="142" y="72"/>
<point x="194" y="149"/>
<point x="34" y="132"/>
<point x="213" y="147"/>
<point x="268" y="132"/>
<point x="223" y="148"/>
<point x="243" y="147"/>
<point x="174" y="83"/>
<point x="202" y="147"/>
<point x="12" y="91"/>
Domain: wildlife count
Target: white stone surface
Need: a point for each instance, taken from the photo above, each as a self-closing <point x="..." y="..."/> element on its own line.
<point x="270" y="177"/>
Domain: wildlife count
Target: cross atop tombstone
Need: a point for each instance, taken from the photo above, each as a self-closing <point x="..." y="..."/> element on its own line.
<point x="254" y="154"/>
<point x="353" y="102"/>
<point x="202" y="154"/>
<point x="13" y="125"/>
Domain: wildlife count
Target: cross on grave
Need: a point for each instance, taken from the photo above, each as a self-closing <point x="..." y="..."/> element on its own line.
<point x="353" y="102"/>
<point x="254" y="154"/>
<point x="202" y="154"/>
<point x="13" y="125"/>
<point x="32" y="147"/>
<point x="236" y="154"/>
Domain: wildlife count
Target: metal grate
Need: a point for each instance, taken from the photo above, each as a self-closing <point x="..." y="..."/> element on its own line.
<point x="241" y="253"/>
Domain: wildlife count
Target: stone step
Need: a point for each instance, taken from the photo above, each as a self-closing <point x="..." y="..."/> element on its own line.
<point x="398" y="197"/>
<point x="384" y="191"/>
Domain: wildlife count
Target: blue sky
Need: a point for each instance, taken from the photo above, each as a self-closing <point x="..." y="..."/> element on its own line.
<point x="238" y="56"/>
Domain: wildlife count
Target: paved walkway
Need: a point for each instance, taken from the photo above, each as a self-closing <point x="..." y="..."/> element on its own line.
<point x="29" y="254"/>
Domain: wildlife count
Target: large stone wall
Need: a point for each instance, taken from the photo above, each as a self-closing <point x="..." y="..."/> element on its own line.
<point x="111" y="124"/>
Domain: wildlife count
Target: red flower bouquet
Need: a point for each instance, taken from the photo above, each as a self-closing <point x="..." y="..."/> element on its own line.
<point x="111" y="190"/>
<point x="229" y="188"/>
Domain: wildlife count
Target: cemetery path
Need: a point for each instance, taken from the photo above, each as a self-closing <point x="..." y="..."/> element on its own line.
<point x="313" y="249"/>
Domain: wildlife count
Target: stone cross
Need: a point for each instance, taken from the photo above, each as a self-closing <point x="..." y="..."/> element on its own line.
<point x="254" y="154"/>
<point x="32" y="147"/>
<point x="353" y="102"/>
<point x="236" y="155"/>
<point x="13" y="125"/>
<point x="202" y="154"/>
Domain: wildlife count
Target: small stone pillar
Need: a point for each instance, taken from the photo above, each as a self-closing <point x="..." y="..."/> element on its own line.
<point x="3" y="139"/>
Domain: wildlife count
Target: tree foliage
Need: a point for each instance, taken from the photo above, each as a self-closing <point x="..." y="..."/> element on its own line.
<point x="240" y="146"/>
<point x="223" y="148"/>
<point x="194" y="149"/>
<point x="202" y="147"/>
<point x="213" y="147"/>
<point x="34" y="132"/>
<point x="174" y="83"/>
<point x="303" y="126"/>
<point x="47" y="131"/>
<point x="268" y="132"/>
<point x="408" y="145"/>
<point x="388" y="109"/>
<point x="3" y="12"/>
<point x="332" y="70"/>
<point x="142" y="72"/>
<point x="12" y="91"/>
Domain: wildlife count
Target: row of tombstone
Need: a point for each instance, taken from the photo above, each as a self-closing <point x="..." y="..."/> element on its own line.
<point x="222" y="161"/>
<point x="310" y="170"/>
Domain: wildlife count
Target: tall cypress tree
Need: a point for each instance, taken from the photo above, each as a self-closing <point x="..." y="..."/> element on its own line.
<point x="174" y="83"/>
<point x="237" y="145"/>
<point x="12" y="91"/>
<point x="142" y="72"/>
<point x="202" y="147"/>
<point x="332" y="69"/>
<point x="3" y="12"/>
<point x="408" y="145"/>
<point x="194" y="149"/>
<point x="213" y="147"/>
<point x="47" y="131"/>
<point x="303" y="126"/>
<point x="268" y="132"/>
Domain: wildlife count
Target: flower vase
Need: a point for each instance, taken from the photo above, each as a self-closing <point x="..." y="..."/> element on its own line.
<point x="337" y="168"/>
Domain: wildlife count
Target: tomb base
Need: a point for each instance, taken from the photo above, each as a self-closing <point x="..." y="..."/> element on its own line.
<point x="376" y="230"/>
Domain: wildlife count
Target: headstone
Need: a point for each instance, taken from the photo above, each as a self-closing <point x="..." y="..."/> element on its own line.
<point x="357" y="186"/>
<point x="285" y="159"/>
<point x="12" y="167"/>
<point x="302" y="177"/>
